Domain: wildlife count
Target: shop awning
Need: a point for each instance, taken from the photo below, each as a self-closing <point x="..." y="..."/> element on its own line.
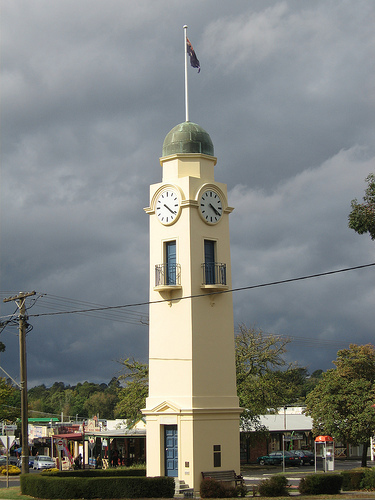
<point x="71" y="436"/>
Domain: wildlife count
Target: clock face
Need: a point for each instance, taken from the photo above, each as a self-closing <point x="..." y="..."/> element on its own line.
<point x="167" y="206"/>
<point x="211" y="207"/>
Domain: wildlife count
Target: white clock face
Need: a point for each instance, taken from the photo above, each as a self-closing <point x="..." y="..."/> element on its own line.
<point x="210" y="206"/>
<point x="167" y="206"/>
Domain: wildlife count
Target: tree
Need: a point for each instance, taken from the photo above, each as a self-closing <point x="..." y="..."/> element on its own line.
<point x="7" y="397"/>
<point x="100" y="404"/>
<point x="262" y="386"/>
<point x="132" y="397"/>
<point x="341" y="403"/>
<point x="362" y="216"/>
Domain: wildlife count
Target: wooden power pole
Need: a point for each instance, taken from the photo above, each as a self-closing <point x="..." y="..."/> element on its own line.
<point x="20" y="301"/>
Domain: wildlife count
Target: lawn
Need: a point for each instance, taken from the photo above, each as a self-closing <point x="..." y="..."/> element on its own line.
<point x="13" y="493"/>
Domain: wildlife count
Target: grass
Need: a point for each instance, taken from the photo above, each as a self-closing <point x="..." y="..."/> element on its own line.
<point x="13" y="493"/>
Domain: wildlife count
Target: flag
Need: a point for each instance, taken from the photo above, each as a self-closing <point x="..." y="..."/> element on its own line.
<point x="193" y="57"/>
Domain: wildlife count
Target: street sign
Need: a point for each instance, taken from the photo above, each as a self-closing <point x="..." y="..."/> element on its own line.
<point x="9" y="428"/>
<point x="60" y="444"/>
<point x="8" y="441"/>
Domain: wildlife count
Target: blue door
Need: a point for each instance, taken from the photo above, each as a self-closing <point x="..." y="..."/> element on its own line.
<point x="170" y="272"/>
<point x="209" y="261"/>
<point x="171" y="450"/>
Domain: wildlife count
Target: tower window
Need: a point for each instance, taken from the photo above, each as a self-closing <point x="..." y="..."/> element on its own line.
<point x="217" y="455"/>
<point x="170" y="261"/>
<point x="214" y="273"/>
<point x="169" y="272"/>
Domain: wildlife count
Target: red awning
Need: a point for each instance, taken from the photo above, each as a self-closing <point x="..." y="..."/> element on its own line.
<point x="71" y="436"/>
<point x="323" y="439"/>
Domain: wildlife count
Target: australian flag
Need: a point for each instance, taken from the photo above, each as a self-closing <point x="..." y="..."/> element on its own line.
<point x="193" y="57"/>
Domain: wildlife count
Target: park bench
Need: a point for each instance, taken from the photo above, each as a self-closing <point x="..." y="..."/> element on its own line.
<point x="228" y="476"/>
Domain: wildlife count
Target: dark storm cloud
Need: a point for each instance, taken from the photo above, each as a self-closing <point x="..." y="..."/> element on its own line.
<point x="89" y="91"/>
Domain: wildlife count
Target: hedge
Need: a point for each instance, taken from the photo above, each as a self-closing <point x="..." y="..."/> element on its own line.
<point x="98" y="472"/>
<point x="275" y="486"/>
<point x="52" y="486"/>
<point x="319" y="484"/>
<point x="352" y="479"/>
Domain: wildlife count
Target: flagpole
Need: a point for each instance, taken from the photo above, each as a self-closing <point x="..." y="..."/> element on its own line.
<point x="186" y="77"/>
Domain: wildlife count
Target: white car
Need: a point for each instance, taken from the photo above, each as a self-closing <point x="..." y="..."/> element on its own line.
<point x="43" y="462"/>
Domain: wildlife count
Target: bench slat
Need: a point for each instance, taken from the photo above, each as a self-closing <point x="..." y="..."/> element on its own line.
<point x="223" y="475"/>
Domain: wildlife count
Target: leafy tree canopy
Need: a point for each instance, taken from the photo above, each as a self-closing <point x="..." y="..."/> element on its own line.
<point x="83" y="400"/>
<point x="262" y="385"/>
<point x="341" y="403"/>
<point x="362" y="216"/>
<point x="8" y="395"/>
<point x="132" y="397"/>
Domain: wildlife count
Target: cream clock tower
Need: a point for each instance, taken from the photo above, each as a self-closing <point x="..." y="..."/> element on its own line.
<point x="192" y="411"/>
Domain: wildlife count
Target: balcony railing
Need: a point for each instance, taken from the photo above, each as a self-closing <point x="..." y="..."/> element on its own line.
<point x="214" y="273"/>
<point x="168" y="275"/>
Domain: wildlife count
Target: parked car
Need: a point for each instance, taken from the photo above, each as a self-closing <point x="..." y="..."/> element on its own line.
<point x="31" y="462"/>
<point x="306" y="457"/>
<point x="43" y="462"/>
<point x="12" y="460"/>
<point x="276" y="458"/>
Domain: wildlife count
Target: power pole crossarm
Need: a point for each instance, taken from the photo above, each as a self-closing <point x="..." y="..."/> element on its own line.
<point x="20" y="301"/>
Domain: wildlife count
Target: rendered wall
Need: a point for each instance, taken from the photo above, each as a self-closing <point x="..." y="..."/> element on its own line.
<point x="191" y="347"/>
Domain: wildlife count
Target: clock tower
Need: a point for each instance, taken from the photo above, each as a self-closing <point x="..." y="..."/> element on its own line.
<point x="192" y="410"/>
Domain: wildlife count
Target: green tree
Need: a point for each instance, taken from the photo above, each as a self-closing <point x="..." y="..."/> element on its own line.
<point x="362" y="216"/>
<point x="261" y="385"/>
<point x="132" y="397"/>
<point x="101" y="404"/>
<point x="341" y="403"/>
<point x="7" y="396"/>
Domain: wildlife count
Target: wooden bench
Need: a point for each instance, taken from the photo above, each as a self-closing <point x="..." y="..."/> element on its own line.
<point x="228" y="476"/>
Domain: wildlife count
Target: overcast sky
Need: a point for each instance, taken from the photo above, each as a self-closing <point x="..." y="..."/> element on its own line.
<point x="89" y="91"/>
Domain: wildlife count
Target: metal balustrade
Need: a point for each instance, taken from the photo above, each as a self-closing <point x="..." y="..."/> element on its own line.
<point x="168" y="275"/>
<point x="214" y="273"/>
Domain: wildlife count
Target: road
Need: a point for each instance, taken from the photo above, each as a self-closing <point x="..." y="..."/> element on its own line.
<point x="253" y="475"/>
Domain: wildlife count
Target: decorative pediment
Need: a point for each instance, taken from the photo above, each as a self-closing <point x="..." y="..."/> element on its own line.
<point x="166" y="407"/>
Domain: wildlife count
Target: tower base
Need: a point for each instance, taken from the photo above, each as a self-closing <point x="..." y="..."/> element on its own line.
<point x="183" y="443"/>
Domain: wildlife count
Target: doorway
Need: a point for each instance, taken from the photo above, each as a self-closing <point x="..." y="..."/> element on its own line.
<point x="171" y="450"/>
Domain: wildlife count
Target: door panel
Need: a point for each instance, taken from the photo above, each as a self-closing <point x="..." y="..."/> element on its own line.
<point x="209" y="260"/>
<point x="170" y="250"/>
<point x="171" y="450"/>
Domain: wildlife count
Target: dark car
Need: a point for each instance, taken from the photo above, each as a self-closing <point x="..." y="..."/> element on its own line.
<point x="276" y="458"/>
<point x="12" y="460"/>
<point x="305" y="456"/>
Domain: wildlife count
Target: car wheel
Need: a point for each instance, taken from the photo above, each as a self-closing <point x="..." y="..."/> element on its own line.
<point x="262" y="462"/>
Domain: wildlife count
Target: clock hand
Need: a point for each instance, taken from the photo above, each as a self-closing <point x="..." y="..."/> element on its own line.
<point x="214" y="209"/>
<point x="166" y="206"/>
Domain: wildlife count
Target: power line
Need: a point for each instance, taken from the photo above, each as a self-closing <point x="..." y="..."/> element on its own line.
<point x="240" y="289"/>
<point x="309" y="340"/>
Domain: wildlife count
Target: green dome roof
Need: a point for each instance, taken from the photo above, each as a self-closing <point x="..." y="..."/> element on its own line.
<point x="187" y="137"/>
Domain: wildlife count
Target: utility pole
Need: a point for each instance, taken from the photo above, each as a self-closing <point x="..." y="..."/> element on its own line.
<point x="20" y="301"/>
